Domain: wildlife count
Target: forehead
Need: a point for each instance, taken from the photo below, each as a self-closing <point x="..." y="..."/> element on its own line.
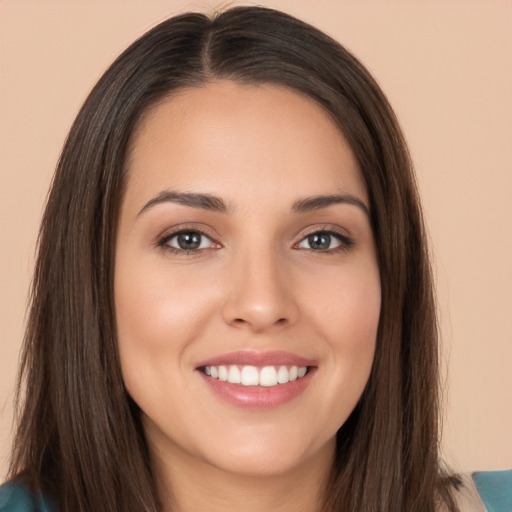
<point x="224" y="137"/>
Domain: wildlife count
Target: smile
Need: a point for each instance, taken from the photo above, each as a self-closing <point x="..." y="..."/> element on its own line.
<point x="257" y="380"/>
<point x="248" y="375"/>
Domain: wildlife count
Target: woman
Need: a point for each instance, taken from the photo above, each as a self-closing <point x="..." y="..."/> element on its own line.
<point x="232" y="303"/>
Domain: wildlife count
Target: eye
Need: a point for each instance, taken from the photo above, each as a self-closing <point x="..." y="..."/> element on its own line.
<point x="325" y="241"/>
<point x="187" y="241"/>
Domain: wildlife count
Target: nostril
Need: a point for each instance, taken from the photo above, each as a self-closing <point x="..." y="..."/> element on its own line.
<point x="257" y="325"/>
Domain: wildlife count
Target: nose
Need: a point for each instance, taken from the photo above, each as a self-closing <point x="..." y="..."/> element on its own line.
<point x="261" y="295"/>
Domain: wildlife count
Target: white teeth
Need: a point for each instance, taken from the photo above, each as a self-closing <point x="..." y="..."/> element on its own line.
<point x="234" y="375"/>
<point x="283" y="375"/>
<point x="223" y="373"/>
<point x="267" y="376"/>
<point x="250" y="376"/>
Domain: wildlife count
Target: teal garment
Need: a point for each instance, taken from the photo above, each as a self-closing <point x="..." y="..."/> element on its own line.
<point x="15" y="497"/>
<point x="495" y="489"/>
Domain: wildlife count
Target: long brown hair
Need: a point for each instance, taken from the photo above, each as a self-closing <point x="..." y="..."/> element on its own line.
<point x="79" y="436"/>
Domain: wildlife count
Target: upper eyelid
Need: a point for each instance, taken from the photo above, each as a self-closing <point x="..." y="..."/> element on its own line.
<point x="344" y="238"/>
<point x="324" y="228"/>
<point x="184" y="228"/>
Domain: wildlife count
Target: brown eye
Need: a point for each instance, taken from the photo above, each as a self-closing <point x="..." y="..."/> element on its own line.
<point x="325" y="241"/>
<point x="319" y="241"/>
<point x="188" y="241"/>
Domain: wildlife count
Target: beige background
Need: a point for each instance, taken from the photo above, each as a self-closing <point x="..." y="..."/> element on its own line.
<point x="447" y="69"/>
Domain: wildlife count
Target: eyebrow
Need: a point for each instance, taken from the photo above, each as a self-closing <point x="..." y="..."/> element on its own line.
<point x="216" y="204"/>
<point x="202" y="201"/>
<point x="309" y="204"/>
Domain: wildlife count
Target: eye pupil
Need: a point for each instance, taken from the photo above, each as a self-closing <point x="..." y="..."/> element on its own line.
<point x="319" y="241"/>
<point x="188" y="241"/>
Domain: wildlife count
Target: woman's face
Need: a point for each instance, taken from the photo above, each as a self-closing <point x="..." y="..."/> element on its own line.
<point x="244" y="252"/>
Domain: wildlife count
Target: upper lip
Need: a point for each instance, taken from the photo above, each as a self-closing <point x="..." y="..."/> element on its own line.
<point x="258" y="359"/>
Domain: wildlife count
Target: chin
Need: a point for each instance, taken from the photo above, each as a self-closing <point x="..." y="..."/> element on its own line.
<point x="268" y="455"/>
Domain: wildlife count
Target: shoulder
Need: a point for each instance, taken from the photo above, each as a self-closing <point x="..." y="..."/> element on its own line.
<point x="466" y="495"/>
<point x="485" y="491"/>
<point x="15" y="497"/>
<point x="495" y="489"/>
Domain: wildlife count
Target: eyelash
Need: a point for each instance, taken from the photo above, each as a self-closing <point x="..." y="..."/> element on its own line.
<point x="163" y="242"/>
<point x="345" y="243"/>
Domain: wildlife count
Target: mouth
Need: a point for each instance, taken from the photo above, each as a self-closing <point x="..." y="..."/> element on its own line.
<point x="257" y="380"/>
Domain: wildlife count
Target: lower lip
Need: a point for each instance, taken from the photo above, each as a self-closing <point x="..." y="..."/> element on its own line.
<point x="258" y="397"/>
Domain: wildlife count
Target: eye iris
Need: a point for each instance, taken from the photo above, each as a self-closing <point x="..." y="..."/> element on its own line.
<point x="189" y="240"/>
<point x="319" y="241"/>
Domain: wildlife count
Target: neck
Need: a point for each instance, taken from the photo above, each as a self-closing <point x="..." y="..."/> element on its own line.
<point x="197" y="485"/>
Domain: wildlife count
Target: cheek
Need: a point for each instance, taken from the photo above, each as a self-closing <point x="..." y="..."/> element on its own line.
<point x="156" y="309"/>
<point x="152" y="324"/>
<point x="348" y="307"/>
<point x="156" y="316"/>
<point x="361" y="307"/>
<point x="358" y="325"/>
<point x="161" y="311"/>
<point x="347" y="314"/>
